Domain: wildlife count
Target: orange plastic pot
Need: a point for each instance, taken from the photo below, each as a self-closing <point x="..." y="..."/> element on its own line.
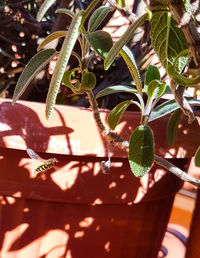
<point x="75" y="210"/>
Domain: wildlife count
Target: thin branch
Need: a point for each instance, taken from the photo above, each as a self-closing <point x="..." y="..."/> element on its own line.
<point x="189" y="28"/>
<point x="110" y="136"/>
<point x="124" y="11"/>
<point x="116" y="139"/>
<point x="178" y="92"/>
<point x="176" y="171"/>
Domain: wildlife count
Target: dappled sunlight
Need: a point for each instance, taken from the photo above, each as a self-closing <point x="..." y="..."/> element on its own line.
<point x="79" y="234"/>
<point x="55" y="237"/>
<point x="14" y="235"/>
<point x="73" y="209"/>
<point x="10" y="200"/>
<point x="107" y="246"/>
<point x="86" y="222"/>
<point x="66" y="177"/>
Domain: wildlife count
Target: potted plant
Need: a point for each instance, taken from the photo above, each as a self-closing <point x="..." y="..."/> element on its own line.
<point x="77" y="210"/>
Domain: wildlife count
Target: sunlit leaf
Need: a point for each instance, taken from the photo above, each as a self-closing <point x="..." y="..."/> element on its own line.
<point x="52" y="36"/>
<point x="156" y="89"/>
<point x="132" y="66"/>
<point x="167" y="39"/>
<point x="34" y="66"/>
<point x="88" y="11"/>
<point x="97" y="17"/>
<point x="66" y="11"/>
<point x="65" y="53"/>
<point x="141" y="150"/>
<point x="182" y="80"/>
<point x="117" y="113"/>
<point x="114" y="51"/>
<point x="101" y="42"/>
<point x="115" y="89"/>
<point x="168" y="107"/>
<point x="151" y="74"/>
<point x="66" y="79"/>
<point x="43" y="9"/>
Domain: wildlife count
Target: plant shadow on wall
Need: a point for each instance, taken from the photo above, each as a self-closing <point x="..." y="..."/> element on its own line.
<point x="79" y="184"/>
<point x="26" y="124"/>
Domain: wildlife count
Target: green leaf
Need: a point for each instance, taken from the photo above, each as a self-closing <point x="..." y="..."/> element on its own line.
<point x="98" y="17"/>
<point x="34" y="66"/>
<point x="115" y="89"/>
<point x="43" y="9"/>
<point x="88" y="81"/>
<point x="155" y="89"/>
<point x="89" y="9"/>
<point x="151" y="74"/>
<point x="66" y="11"/>
<point x="187" y="5"/>
<point x="117" y="113"/>
<point x="167" y="39"/>
<point x="65" y="53"/>
<point x="168" y="107"/>
<point x="66" y="79"/>
<point x="141" y="150"/>
<point x="182" y="80"/>
<point x="114" y="51"/>
<point x="197" y="158"/>
<point x="132" y="66"/>
<point x="172" y="126"/>
<point x="49" y="38"/>
<point x="163" y="110"/>
<point x="121" y="3"/>
<point x="101" y="42"/>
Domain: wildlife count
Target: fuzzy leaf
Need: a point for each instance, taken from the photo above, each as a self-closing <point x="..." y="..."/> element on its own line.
<point x="97" y="17"/>
<point x="115" y="89"/>
<point x="66" y="11"/>
<point x="182" y="80"/>
<point x="34" y="66"/>
<point x="65" y="53"/>
<point x="172" y="126"/>
<point x="167" y="39"/>
<point x="66" y="79"/>
<point x="151" y="74"/>
<point x="52" y="36"/>
<point x="156" y="89"/>
<point x="197" y="158"/>
<point x="117" y="113"/>
<point x="132" y="66"/>
<point x="141" y="150"/>
<point x="88" y="11"/>
<point x="88" y="81"/>
<point x="100" y="41"/>
<point x="168" y="107"/>
<point x="43" y="9"/>
<point x="114" y="51"/>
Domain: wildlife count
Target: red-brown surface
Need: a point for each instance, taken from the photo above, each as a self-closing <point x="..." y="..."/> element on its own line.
<point x="76" y="210"/>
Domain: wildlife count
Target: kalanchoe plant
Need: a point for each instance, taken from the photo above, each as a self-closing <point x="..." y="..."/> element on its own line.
<point x="169" y="42"/>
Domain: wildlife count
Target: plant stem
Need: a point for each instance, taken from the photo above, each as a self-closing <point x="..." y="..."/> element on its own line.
<point x="176" y="171"/>
<point x="124" y="11"/>
<point x="110" y="136"/>
<point x="116" y="139"/>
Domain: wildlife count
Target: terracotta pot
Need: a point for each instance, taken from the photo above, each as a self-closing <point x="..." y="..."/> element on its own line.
<point x="76" y="210"/>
